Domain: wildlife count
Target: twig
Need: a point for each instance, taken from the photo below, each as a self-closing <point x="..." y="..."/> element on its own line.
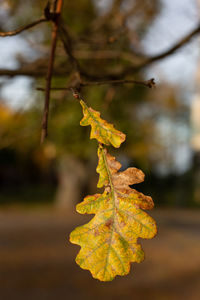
<point x="19" y="30"/>
<point x="55" y="89"/>
<point x="148" y="83"/>
<point x="44" y="132"/>
<point x="35" y="71"/>
<point x="67" y="43"/>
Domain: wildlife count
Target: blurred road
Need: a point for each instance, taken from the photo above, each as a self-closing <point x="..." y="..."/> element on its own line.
<point x="37" y="261"/>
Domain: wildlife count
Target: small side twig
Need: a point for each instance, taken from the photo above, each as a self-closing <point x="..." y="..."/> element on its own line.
<point x="44" y="132"/>
<point x="147" y="83"/>
<point x="23" y="28"/>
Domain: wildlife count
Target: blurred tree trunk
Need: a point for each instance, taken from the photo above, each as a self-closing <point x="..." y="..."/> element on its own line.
<point x="71" y="181"/>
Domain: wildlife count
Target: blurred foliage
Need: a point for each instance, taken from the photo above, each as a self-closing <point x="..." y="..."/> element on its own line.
<point x="134" y="110"/>
<point x="90" y="28"/>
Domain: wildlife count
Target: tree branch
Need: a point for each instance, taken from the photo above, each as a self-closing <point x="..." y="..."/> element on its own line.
<point x="148" y="83"/>
<point x="60" y="71"/>
<point x="148" y="61"/>
<point x="21" y="29"/>
<point x="67" y="43"/>
<point x="44" y="132"/>
<point x="35" y="71"/>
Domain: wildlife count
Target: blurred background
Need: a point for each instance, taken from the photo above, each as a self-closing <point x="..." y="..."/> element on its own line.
<point x="41" y="184"/>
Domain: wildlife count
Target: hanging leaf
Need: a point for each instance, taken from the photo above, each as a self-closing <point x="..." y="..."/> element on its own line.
<point x="101" y="130"/>
<point x="109" y="241"/>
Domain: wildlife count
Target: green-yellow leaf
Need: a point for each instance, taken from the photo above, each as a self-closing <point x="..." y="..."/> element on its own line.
<point x="101" y="130"/>
<point x="109" y="241"/>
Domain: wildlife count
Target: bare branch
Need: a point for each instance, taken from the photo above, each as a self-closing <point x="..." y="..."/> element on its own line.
<point x="148" y="83"/>
<point x="36" y="71"/>
<point x="148" y="61"/>
<point x="50" y="70"/>
<point x="61" y="71"/>
<point x="108" y="54"/>
<point x="21" y="29"/>
<point x="67" y="43"/>
<point x="170" y="51"/>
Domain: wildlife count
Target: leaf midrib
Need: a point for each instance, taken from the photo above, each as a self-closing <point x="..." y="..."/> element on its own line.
<point x="99" y="124"/>
<point x="114" y="206"/>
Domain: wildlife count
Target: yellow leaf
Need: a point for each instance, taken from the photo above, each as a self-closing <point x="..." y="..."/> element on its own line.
<point x="109" y="241"/>
<point x="101" y="130"/>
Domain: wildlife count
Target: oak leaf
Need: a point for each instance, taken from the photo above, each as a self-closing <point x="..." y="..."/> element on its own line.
<point x="109" y="241"/>
<point x="101" y="130"/>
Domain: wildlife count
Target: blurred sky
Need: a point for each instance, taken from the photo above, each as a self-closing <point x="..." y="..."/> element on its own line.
<point x="16" y="91"/>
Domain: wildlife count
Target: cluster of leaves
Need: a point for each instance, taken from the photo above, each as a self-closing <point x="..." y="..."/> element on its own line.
<point x="109" y="241"/>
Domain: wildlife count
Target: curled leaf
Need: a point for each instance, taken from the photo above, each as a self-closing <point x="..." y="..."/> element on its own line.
<point x="109" y="241"/>
<point x="101" y="130"/>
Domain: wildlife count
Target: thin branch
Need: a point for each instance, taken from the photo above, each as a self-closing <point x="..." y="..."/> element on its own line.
<point x="67" y="43"/>
<point x="44" y="132"/>
<point x="108" y="54"/>
<point x="173" y="49"/>
<point x="147" y="83"/>
<point x="23" y="28"/>
<point x="36" y="71"/>
<point x="148" y="61"/>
